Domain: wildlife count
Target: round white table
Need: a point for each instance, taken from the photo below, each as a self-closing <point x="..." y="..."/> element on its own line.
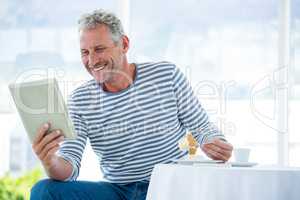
<point x="188" y="182"/>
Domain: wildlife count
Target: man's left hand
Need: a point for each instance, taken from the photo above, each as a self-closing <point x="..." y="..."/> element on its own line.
<point x="218" y="149"/>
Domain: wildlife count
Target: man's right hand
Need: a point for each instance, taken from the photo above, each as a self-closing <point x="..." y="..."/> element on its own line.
<point x="46" y="144"/>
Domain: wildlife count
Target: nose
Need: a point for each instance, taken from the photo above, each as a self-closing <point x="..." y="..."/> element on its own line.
<point x="92" y="60"/>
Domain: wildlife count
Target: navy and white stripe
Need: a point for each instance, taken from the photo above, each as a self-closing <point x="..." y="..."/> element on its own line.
<point x="132" y="130"/>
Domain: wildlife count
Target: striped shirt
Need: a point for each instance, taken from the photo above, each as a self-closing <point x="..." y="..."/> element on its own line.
<point x="132" y="130"/>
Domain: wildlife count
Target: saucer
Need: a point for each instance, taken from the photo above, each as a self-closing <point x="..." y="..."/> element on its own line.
<point x="243" y="164"/>
<point x="192" y="161"/>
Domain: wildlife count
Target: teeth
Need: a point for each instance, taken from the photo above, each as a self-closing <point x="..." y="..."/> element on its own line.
<point x="99" y="67"/>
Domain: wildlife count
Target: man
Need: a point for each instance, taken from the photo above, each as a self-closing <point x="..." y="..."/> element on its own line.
<point x="134" y="114"/>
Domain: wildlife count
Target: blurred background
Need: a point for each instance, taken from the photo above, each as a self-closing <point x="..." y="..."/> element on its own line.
<point x="241" y="57"/>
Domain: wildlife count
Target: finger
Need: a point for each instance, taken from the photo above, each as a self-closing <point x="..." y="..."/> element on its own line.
<point x="216" y="156"/>
<point x="41" y="133"/>
<point x="213" y="155"/>
<point x="224" y="152"/>
<point x="223" y="144"/>
<point x="47" y="139"/>
<point x="218" y="149"/>
<point x="43" y="155"/>
<point x="50" y="146"/>
<point x="220" y="144"/>
<point x="51" y="152"/>
<point x="217" y="152"/>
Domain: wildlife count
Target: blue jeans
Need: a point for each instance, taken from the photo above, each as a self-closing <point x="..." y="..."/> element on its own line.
<point x="49" y="189"/>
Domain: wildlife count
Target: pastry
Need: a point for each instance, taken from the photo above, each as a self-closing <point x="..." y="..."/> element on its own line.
<point x="189" y="143"/>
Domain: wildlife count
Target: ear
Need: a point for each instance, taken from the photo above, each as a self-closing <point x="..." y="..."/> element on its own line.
<point x="125" y="43"/>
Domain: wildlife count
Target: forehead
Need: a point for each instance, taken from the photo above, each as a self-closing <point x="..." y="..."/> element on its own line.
<point x="100" y="35"/>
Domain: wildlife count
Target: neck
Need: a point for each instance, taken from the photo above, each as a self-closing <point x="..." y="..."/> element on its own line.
<point x="122" y="80"/>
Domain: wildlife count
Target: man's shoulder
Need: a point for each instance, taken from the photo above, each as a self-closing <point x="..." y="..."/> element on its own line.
<point x="156" y="66"/>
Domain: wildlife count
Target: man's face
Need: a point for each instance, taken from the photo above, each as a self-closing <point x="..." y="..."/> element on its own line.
<point x="100" y="55"/>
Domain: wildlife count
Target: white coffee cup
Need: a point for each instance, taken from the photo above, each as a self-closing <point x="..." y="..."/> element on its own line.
<point x="241" y="154"/>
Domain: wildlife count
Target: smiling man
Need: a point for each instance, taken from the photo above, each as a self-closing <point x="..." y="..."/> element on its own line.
<point x="104" y="56"/>
<point x="134" y="114"/>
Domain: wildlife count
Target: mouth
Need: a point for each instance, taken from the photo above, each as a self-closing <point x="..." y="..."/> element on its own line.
<point x="99" y="67"/>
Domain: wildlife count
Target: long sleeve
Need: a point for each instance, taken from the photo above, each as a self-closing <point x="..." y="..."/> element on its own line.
<point x="190" y="112"/>
<point x="72" y="150"/>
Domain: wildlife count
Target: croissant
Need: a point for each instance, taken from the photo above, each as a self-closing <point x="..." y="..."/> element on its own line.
<point x="189" y="143"/>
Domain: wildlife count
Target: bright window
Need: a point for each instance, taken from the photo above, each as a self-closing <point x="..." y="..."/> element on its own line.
<point x="229" y="50"/>
<point x="226" y="49"/>
<point x="294" y="106"/>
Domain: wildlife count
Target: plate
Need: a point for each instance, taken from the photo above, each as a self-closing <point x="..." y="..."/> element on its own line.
<point x="189" y="161"/>
<point x="243" y="164"/>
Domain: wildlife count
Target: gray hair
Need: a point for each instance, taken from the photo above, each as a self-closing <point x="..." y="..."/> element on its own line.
<point x="100" y="17"/>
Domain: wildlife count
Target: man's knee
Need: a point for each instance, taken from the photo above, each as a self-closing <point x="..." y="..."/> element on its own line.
<point x="50" y="190"/>
<point x="41" y="189"/>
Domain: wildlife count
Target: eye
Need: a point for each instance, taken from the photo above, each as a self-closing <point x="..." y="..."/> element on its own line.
<point x="84" y="53"/>
<point x="100" y="49"/>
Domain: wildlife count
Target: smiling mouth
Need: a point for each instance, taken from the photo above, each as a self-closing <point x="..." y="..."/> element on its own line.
<point x="99" y="67"/>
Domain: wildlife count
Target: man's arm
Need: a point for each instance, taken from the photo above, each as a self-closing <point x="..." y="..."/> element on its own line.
<point x="61" y="159"/>
<point x="45" y="146"/>
<point x="60" y="170"/>
<point x="195" y="119"/>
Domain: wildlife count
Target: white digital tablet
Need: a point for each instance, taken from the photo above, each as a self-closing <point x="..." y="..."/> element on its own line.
<point x="41" y="101"/>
